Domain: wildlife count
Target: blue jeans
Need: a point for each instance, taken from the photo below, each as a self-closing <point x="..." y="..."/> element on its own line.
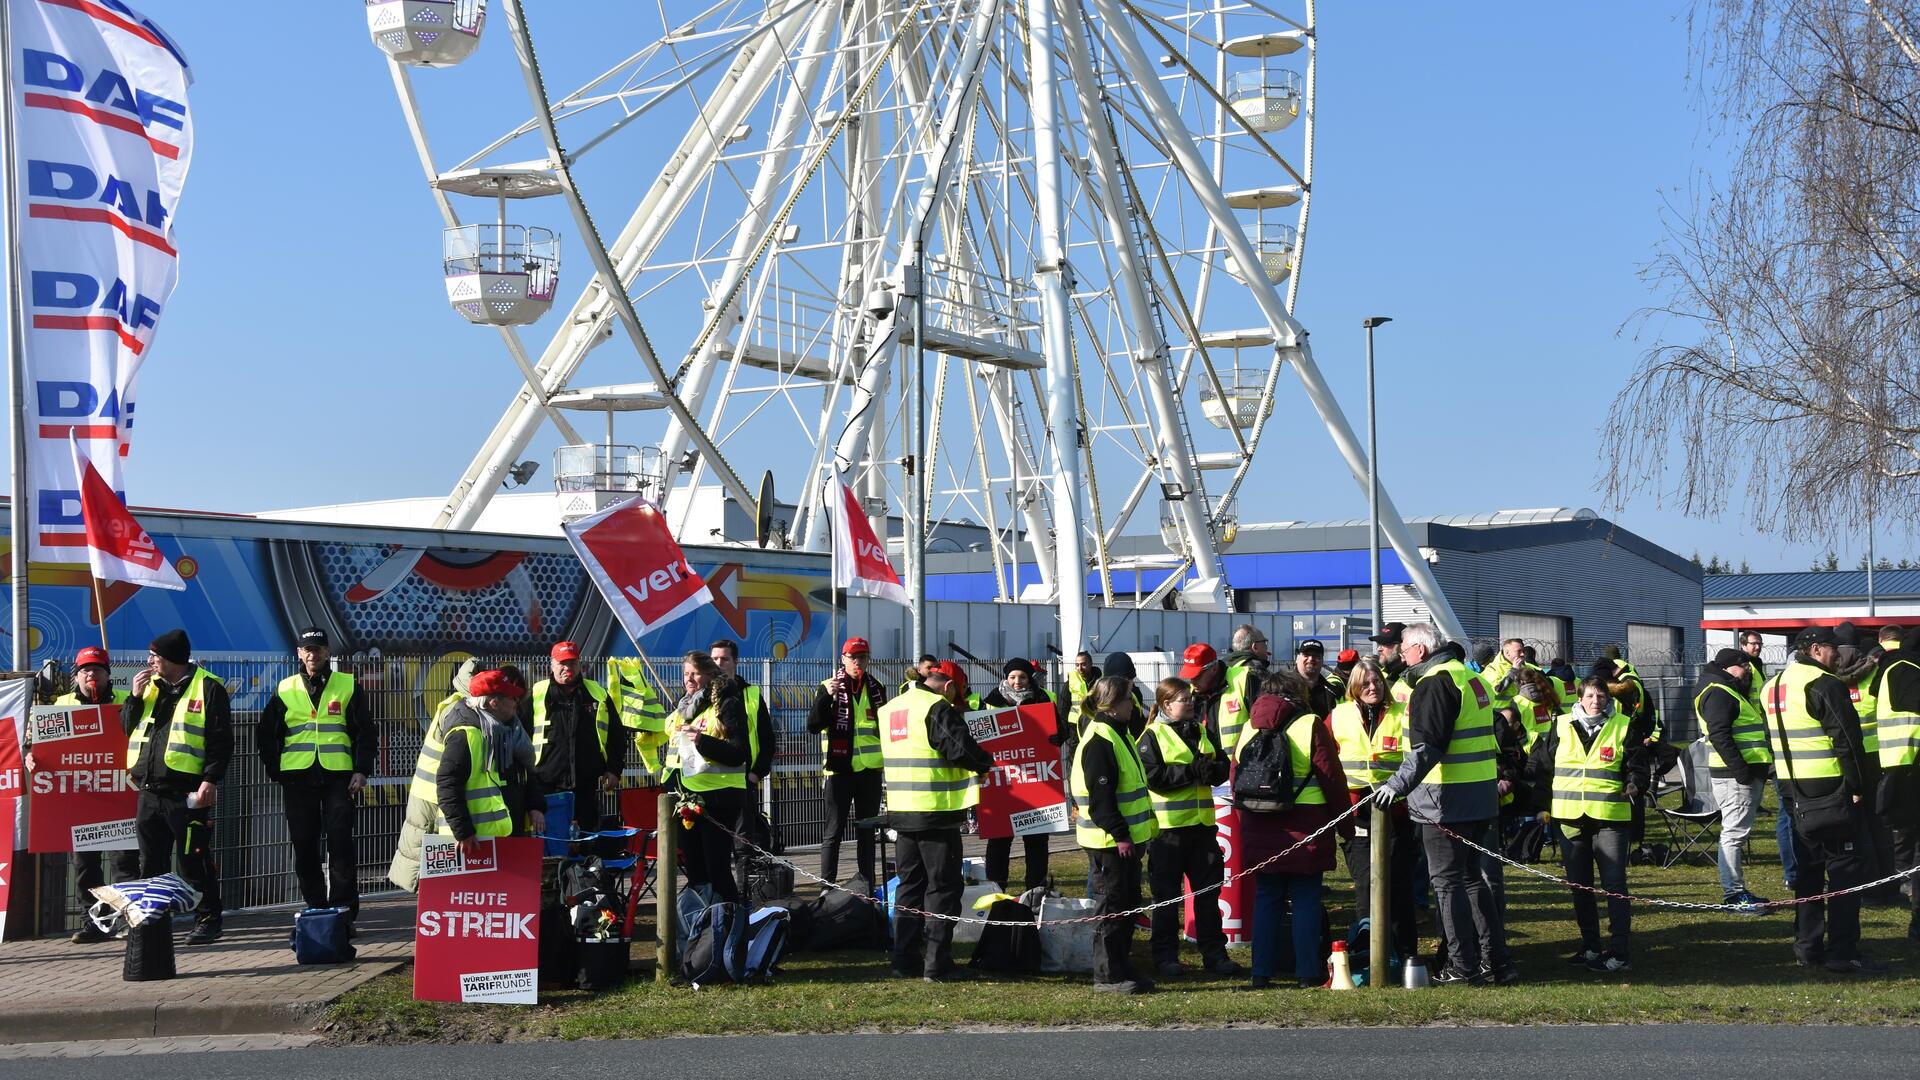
<point x="1783" y="834"/>
<point x="1283" y="905"/>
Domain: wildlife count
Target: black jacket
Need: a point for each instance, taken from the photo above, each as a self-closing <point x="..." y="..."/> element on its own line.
<point x="271" y="735"/>
<point x="1831" y="703"/>
<point x="947" y="733"/>
<point x="731" y="747"/>
<point x="1717" y="713"/>
<point x="151" y="771"/>
<point x="1210" y="770"/>
<point x="1101" y="772"/>
<point x="520" y="787"/>
<point x="572" y="758"/>
<point x="820" y="716"/>
<point x="1634" y="764"/>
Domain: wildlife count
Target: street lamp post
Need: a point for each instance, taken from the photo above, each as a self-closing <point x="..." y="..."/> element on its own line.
<point x="1378" y="837"/>
<point x="1373" y="480"/>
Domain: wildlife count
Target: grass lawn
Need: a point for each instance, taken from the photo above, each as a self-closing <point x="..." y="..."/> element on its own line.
<point x="1688" y="967"/>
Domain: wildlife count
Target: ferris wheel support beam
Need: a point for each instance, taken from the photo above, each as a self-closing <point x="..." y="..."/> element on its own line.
<point x="1288" y="333"/>
<point x="1054" y="279"/>
<point x="588" y="321"/>
<point x="1208" y="590"/>
<point x="781" y="142"/>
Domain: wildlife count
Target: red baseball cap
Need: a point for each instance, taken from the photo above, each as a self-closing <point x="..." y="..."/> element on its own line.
<point x="92" y="654"/>
<point x="496" y="684"/>
<point x="855" y="645"/>
<point x="1349" y="656"/>
<point x="565" y="650"/>
<point x="953" y="673"/>
<point x="1196" y="658"/>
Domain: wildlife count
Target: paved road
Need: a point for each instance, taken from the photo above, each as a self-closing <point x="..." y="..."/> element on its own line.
<point x="1697" y="1053"/>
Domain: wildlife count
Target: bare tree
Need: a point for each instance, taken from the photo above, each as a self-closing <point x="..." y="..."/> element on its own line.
<point x="1787" y="351"/>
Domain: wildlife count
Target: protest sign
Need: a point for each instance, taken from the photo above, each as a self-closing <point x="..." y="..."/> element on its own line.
<point x="476" y="935"/>
<point x="80" y="796"/>
<point x="1024" y="794"/>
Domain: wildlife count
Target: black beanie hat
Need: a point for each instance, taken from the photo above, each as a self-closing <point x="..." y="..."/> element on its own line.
<point x="1017" y="664"/>
<point x="173" y="647"/>
<point x="1727" y="658"/>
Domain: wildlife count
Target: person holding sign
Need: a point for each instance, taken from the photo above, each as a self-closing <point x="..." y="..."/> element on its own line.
<point x="485" y="784"/>
<point x="179" y="740"/>
<point x="1183" y="766"/>
<point x="93" y="685"/>
<point x="1017" y="687"/>
<point x="317" y="742"/>
<point x="711" y="748"/>
<point x="1116" y="822"/>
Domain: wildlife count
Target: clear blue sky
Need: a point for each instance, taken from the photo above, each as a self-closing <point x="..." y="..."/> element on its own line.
<point x="1490" y="177"/>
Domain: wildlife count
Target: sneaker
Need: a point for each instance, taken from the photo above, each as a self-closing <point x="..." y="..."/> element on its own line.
<point x="1143" y="986"/>
<point x="205" y="932"/>
<point x="1127" y="986"/>
<point x="1610" y="963"/>
<point x="1310" y="984"/>
<point x="1859" y="965"/>
<point x="1504" y="975"/>
<point x="1223" y="965"/>
<point x="1453" y="976"/>
<point x="1260" y="982"/>
<point x="1583" y="958"/>
<point x="1168" y="969"/>
<point x="89" y="934"/>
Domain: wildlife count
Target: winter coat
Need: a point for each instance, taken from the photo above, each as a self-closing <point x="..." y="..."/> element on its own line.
<point x="1264" y="834"/>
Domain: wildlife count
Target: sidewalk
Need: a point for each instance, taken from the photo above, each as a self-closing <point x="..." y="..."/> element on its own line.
<point x="246" y="983"/>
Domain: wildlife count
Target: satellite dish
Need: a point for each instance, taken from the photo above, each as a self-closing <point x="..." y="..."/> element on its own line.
<point x="763" y="511"/>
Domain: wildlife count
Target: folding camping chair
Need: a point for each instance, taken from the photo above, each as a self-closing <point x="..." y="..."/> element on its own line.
<point x="1696" y="820"/>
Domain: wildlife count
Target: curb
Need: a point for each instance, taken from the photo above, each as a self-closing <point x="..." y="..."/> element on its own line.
<point x="162" y="1019"/>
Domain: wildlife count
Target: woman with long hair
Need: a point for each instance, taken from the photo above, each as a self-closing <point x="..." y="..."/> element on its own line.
<point x="1018" y="686"/>
<point x="1370" y="730"/>
<point x="1116" y="822"/>
<point x="1183" y="766"/>
<point x="709" y="750"/>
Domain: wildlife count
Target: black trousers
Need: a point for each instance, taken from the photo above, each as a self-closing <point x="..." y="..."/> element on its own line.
<point x="1403" y="863"/>
<point x="1115" y="884"/>
<point x="1829" y="929"/>
<point x="929" y="881"/>
<point x="1000" y="860"/>
<point x="1581" y="848"/>
<point x="90" y="871"/>
<point x="852" y="798"/>
<point x="1899" y="807"/>
<point x="170" y="831"/>
<point x="1465" y="895"/>
<point x="319" y="807"/>
<point x="706" y="852"/>
<point x="1186" y="859"/>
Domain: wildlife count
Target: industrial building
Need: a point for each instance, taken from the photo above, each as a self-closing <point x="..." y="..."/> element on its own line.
<point x="1777" y="606"/>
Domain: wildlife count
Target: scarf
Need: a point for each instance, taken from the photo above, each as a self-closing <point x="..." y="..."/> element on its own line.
<point x="840" y="729"/>
<point x="1019" y="697"/>
<point x="691" y="705"/>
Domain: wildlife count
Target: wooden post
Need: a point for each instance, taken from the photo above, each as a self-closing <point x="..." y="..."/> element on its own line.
<point x="666" y="874"/>
<point x="1380" y="839"/>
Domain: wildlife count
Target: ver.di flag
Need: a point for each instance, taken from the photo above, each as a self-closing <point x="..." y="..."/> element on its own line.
<point x="860" y="563"/>
<point x="103" y="137"/>
<point x="118" y="548"/>
<point x="631" y="555"/>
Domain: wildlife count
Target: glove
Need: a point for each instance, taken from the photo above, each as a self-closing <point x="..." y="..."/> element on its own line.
<point x="1383" y="797"/>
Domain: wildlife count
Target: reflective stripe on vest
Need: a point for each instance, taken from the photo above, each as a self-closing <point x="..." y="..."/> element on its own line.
<point x="1807" y="754"/>
<point x="1470" y="753"/>
<point x="1129" y="789"/>
<point x="1899" y="731"/>
<point x="1369" y="759"/>
<point x="316" y="730"/>
<point x="1589" y="781"/>
<point x="866" y="729"/>
<point x="486" y="801"/>
<point x="1299" y="758"/>
<point x="540" y="722"/>
<point x="1177" y="808"/>
<point x="918" y="778"/>
<point x="1078" y="688"/>
<point x="717" y="777"/>
<point x="1864" y="708"/>
<point x="1749" y="729"/>
<point x="433" y="742"/>
<point x="1233" y="703"/>
<point x="186" y="733"/>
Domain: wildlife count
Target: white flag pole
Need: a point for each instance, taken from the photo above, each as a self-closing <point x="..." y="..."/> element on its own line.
<point x="16" y="353"/>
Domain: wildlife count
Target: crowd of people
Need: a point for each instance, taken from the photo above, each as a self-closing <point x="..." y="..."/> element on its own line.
<point x="1462" y="753"/>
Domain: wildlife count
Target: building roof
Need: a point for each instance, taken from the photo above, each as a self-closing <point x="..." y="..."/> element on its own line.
<point x="1810" y="585"/>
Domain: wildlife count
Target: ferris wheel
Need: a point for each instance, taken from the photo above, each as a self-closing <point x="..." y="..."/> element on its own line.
<point x="1023" y="264"/>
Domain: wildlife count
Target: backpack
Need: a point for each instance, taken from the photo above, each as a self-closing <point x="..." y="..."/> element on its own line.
<point x="766" y="943"/>
<point x="1009" y="944"/>
<point x="1263" y="776"/>
<point x="842" y="920"/>
<point x="716" y="945"/>
<point x="320" y="936"/>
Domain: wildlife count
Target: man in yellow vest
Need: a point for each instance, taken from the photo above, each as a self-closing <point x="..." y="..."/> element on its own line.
<point x="931" y="764"/>
<point x="1753" y="644"/>
<point x="93" y="685"/>
<point x="1897" y="705"/>
<point x="1815" y="736"/>
<point x="1387" y="650"/>
<point x="1450" y="776"/>
<point x="179" y="741"/>
<point x="1738" y="761"/>
<point x="1183" y="766"/>
<point x="1246" y="665"/>
<point x="764" y="739"/>
<point x="577" y="746"/>
<point x="846" y="716"/>
<point x="486" y="784"/>
<point x="317" y="742"/>
<point x="917" y="674"/>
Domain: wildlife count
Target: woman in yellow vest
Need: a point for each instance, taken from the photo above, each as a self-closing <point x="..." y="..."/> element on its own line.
<point x="711" y="747"/>
<point x="484" y="785"/>
<point x="1115" y="824"/>
<point x="1287" y="888"/>
<point x="1589" y="770"/>
<point x="1183" y="767"/>
<point x="1370" y="729"/>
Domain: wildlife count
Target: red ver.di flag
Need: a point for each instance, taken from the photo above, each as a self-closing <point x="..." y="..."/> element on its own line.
<point x="102" y="140"/>
<point x="15" y="698"/>
<point x="476" y="936"/>
<point x="860" y="563"/>
<point x="1024" y="794"/>
<point x="79" y="796"/>
<point x="118" y="547"/>
<point x="631" y="555"/>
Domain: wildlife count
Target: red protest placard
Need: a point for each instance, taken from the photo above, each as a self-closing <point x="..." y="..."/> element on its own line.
<point x="476" y="934"/>
<point x="1024" y="794"/>
<point x="80" y="796"/>
<point x="14" y="700"/>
